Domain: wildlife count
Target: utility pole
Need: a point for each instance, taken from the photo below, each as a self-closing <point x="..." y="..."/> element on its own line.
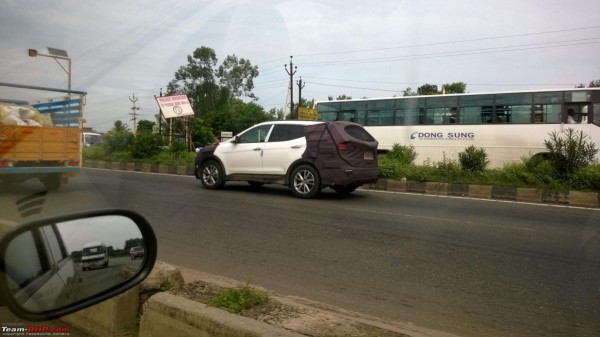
<point x="133" y="112"/>
<point x="160" y="117"/>
<point x="301" y="85"/>
<point x="291" y="72"/>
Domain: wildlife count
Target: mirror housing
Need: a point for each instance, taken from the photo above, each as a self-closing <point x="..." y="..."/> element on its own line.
<point x="55" y="266"/>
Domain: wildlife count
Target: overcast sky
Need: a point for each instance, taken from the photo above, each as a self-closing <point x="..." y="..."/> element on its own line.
<point x="357" y="48"/>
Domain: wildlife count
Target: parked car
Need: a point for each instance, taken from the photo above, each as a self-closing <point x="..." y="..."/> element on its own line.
<point x="307" y="156"/>
<point x="136" y="252"/>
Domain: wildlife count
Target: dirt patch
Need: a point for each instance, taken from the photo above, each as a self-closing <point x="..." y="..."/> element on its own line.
<point x="303" y="320"/>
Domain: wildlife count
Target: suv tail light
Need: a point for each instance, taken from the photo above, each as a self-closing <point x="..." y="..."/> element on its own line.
<point x="346" y="147"/>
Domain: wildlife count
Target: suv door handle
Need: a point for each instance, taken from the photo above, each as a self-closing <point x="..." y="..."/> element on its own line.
<point x="297" y="147"/>
<point x="257" y="149"/>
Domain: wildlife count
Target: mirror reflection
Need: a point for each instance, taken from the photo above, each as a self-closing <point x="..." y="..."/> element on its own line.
<point x="54" y="265"/>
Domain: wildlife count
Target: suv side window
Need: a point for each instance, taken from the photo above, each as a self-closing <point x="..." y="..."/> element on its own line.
<point x="255" y="135"/>
<point x="282" y="132"/>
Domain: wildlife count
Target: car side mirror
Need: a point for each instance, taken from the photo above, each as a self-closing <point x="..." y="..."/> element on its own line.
<point x="56" y="266"/>
<point x="235" y="139"/>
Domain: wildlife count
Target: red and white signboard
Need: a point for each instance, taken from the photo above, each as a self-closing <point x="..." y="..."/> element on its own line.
<point x="175" y="106"/>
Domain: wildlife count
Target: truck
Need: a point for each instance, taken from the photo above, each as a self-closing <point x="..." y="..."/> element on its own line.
<point x="41" y="139"/>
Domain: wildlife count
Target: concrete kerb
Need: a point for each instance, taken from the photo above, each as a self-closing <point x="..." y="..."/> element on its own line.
<point x="160" y="314"/>
<point x="533" y="195"/>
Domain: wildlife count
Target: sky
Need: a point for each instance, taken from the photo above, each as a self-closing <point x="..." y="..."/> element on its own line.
<point x="126" y="50"/>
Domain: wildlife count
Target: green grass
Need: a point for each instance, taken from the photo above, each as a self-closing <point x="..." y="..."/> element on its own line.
<point x="236" y="300"/>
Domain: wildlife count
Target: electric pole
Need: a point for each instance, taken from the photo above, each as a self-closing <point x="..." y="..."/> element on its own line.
<point x="133" y="112"/>
<point x="301" y="85"/>
<point x="291" y="72"/>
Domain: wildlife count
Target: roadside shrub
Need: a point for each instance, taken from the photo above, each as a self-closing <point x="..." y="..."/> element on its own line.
<point x="569" y="151"/>
<point x="447" y="169"/>
<point x="117" y="141"/>
<point x="396" y="162"/>
<point x="473" y="159"/>
<point x="586" y="178"/>
<point x="146" y="145"/>
<point x="402" y="154"/>
<point x="94" y="153"/>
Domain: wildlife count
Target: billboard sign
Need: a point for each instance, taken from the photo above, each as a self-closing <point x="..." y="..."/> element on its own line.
<point x="175" y="106"/>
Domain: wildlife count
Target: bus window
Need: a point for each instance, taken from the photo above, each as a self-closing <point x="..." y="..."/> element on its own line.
<point x="470" y="115"/>
<point x="552" y="113"/>
<point x="521" y="114"/>
<point x="399" y="117"/>
<point x="349" y="115"/>
<point x="442" y="115"/>
<point x="411" y="116"/>
<point x="596" y="114"/>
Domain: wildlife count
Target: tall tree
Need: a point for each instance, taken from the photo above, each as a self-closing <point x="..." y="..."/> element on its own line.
<point x="428" y="89"/>
<point x="238" y="75"/>
<point x="454" y="88"/>
<point x="197" y="80"/>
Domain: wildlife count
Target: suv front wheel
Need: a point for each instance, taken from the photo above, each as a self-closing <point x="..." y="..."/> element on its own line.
<point x="211" y="175"/>
<point x="306" y="182"/>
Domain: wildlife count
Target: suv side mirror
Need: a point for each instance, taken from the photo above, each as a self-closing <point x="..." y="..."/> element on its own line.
<point x="56" y="266"/>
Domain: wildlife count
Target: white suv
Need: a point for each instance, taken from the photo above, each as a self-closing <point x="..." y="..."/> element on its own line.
<point x="305" y="155"/>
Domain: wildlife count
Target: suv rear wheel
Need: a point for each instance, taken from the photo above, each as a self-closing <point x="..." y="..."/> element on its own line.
<point x="211" y="175"/>
<point x="306" y="182"/>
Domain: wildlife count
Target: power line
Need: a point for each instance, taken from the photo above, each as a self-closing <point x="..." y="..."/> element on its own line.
<point x="451" y="42"/>
<point x="503" y="49"/>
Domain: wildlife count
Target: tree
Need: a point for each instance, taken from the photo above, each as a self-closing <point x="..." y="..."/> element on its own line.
<point x="118" y="138"/>
<point x="146" y="143"/>
<point x="214" y="92"/>
<point x="428" y="89"/>
<point x="238" y="75"/>
<point x="197" y="80"/>
<point x="593" y="84"/>
<point x="432" y="89"/>
<point x="340" y="98"/>
<point x="408" y="92"/>
<point x="455" y="88"/>
<point x="145" y="126"/>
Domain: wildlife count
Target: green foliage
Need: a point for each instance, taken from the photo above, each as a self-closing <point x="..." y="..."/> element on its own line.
<point x="570" y="151"/>
<point x="146" y="145"/>
<point x="428" y="89"/>
<point x="401" y="153"/>
<point x="586" y="178"/>
<point x="237" y="299"/>
<point x="397" y="162"/>
<point x="447" y="169"/>
<point x="473" y="159"/>
<point x="118" y="139"/>
<point x="454" y="88"/>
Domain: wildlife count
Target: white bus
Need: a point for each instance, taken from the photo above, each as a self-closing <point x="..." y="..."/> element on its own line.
<point x="508" y="125"/>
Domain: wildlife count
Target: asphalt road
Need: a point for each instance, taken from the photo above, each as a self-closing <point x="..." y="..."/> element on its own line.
<point x="469" y="267"/>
